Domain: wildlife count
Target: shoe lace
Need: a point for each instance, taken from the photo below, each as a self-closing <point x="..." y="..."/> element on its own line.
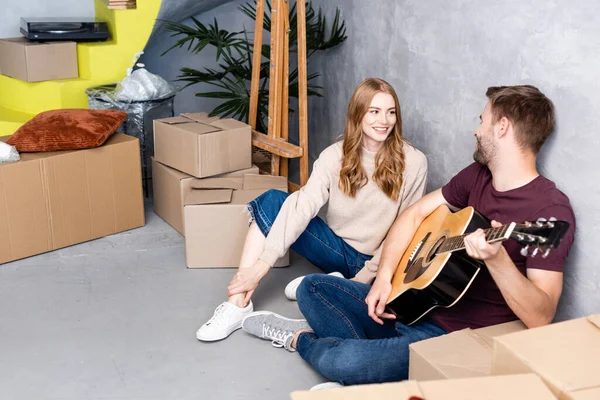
<point x="220" y="310"/>
<point x="278" y="336"/>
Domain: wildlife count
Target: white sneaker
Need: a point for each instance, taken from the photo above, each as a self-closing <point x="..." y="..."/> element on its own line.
<point x="290" y="289"/>
<point x="226" y="319"/>
<point x="326" y="385"/>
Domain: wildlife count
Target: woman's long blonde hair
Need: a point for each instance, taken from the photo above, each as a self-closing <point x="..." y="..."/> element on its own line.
<point x="389" y="161"/>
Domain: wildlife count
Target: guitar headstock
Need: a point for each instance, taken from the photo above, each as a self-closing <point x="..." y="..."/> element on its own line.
<point x="540" y="236"/>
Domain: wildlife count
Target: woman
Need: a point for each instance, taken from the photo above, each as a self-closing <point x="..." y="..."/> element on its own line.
<point x="366" y="179"/>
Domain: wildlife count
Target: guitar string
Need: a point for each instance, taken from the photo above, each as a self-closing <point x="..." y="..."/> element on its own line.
<point x="461" y="237"/>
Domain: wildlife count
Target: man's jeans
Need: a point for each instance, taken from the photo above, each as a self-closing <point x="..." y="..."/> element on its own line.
<point x="318" y="244"/>
<point x="347" y="346"/>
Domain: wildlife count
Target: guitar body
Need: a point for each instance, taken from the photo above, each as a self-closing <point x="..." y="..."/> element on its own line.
<point x="424" y="280"/>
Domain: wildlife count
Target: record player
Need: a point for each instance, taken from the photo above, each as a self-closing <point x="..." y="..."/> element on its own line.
<point x="74" y="29"/>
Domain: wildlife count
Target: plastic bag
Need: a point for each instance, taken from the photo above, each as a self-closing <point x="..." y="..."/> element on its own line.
<point x="8" y="153"/>
<point x="142" y="85"/>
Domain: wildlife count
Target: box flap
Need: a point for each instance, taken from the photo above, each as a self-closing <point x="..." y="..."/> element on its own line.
<point x="197" y="128"/>
<point x="265" y="182"/>
<point x="243" y="197"/>
<point x="236" y="183"/>
<point x="20" y="40"/>
<point x="513" y="387"/>
<point x="172" y="171"/>
<point x="174" y="120"/>
<point x="253" y="171"/>
<point x="586" y="394"/>
<point x="385" y="391"/>
<point x="114" y="139"/>
<point x="229" y="123"/>
<point x="595" y="319"/>
<point x="215" y="196"/>
<point x="200" y="117"/>
<point x="564" y="354"/>
<point x="455" y="355"/>
<point x="490" y="332"/>
<point x="26" y="42"/>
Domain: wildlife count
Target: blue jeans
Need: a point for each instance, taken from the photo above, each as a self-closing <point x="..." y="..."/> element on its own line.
<point x="318" y="243"/>
<point x="347" y="346"/>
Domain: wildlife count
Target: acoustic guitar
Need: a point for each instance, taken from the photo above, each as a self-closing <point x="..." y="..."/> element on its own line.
<point x="435" y="271"/>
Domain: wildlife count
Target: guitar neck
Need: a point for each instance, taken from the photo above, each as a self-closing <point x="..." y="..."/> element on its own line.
<point x="492" y="235"/>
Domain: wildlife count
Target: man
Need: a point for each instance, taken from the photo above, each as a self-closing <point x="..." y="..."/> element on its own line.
<point x="349" y="338"/>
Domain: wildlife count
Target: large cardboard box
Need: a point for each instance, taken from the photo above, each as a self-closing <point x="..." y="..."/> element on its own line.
<point x="203" y="146"/>
<point x="216" y="219"/>
<point x="170" y="188"/>
<point x="35" y="61"/>
<point x="56" y="199"/>
<point x="510" y="387"/>
<point x="461" y="354"/>
<point x="565" y="355"/>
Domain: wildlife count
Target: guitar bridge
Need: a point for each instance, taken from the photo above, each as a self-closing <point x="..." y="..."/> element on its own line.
<point x="416" y="251"/>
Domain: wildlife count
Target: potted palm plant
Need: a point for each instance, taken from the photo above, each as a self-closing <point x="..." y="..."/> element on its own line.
<point x="231" y="78"/>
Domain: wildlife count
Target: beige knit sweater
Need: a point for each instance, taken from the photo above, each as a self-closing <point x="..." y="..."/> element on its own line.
<point x="362" y="221"/>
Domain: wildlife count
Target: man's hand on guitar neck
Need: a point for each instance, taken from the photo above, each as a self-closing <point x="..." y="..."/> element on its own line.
<point x="377" y="298"/>
<point x="477" y="246"/>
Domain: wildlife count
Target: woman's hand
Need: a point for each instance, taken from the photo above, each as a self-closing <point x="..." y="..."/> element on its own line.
<point x="376" y="300"/>
<point x="246" y="280"/>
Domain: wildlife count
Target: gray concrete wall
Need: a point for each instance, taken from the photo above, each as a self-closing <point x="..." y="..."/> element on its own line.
<point x="11" y="12"/>
<point x="441" y="56"/>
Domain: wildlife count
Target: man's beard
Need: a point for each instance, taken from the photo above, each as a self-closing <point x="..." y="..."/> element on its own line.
<point x="484" y="151"/>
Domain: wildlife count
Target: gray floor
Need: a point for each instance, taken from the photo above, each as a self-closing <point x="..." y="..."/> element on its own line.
<point x="115" y="318"/>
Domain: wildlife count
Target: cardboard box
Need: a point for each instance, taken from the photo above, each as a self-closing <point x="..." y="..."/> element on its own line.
<point x="203" y="146"/>
<point x="513" y="387"/>
<point x="56" y="199"/>
<point x="38" y="61"/>
<point x="565" y="355"/>
<point x="216" y="219"/>
<point x="586" y="394"/>
<point x="461" y="354"/>
<point x="170" y="188"/>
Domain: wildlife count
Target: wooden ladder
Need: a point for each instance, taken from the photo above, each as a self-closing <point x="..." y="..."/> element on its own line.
<point x="276" y="139"/>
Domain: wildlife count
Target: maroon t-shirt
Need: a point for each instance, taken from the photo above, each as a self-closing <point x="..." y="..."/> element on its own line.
<point x="483" y="304"/>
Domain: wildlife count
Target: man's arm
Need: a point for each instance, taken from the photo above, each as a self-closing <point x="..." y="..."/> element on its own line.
<point x="533" y="298"/>
<point x="397" y="240"/>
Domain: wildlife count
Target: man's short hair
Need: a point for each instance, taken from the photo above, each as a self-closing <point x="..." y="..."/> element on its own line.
<point x="529" y="110"/>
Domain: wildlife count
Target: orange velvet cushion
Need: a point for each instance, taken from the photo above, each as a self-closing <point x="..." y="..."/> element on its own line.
<point x="68" y="129"/>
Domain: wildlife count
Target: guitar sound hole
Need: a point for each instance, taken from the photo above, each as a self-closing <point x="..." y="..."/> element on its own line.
<point x="434" y="249"/>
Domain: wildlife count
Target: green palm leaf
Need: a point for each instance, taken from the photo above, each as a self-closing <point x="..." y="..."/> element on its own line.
<point x="232" y="74"/>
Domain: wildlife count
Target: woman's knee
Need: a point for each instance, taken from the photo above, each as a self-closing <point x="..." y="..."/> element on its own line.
<point x="264" y="208"/>
<point x="270" y="203"/>
<point x="273" y="197"/>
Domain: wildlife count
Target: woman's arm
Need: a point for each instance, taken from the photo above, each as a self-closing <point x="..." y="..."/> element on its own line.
<point x="298" y="209"/>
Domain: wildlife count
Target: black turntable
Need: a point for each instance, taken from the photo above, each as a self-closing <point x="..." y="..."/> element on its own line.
<point x="74" y="29"/>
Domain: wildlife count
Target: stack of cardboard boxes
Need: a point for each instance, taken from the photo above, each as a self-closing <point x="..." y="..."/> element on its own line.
<point x="507" y="361"/>
<point x="203" y="177"/>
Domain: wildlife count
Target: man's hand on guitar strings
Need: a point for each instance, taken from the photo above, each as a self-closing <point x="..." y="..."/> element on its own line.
<point x="376" y="300"/>
<point x="478" y="247"/>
